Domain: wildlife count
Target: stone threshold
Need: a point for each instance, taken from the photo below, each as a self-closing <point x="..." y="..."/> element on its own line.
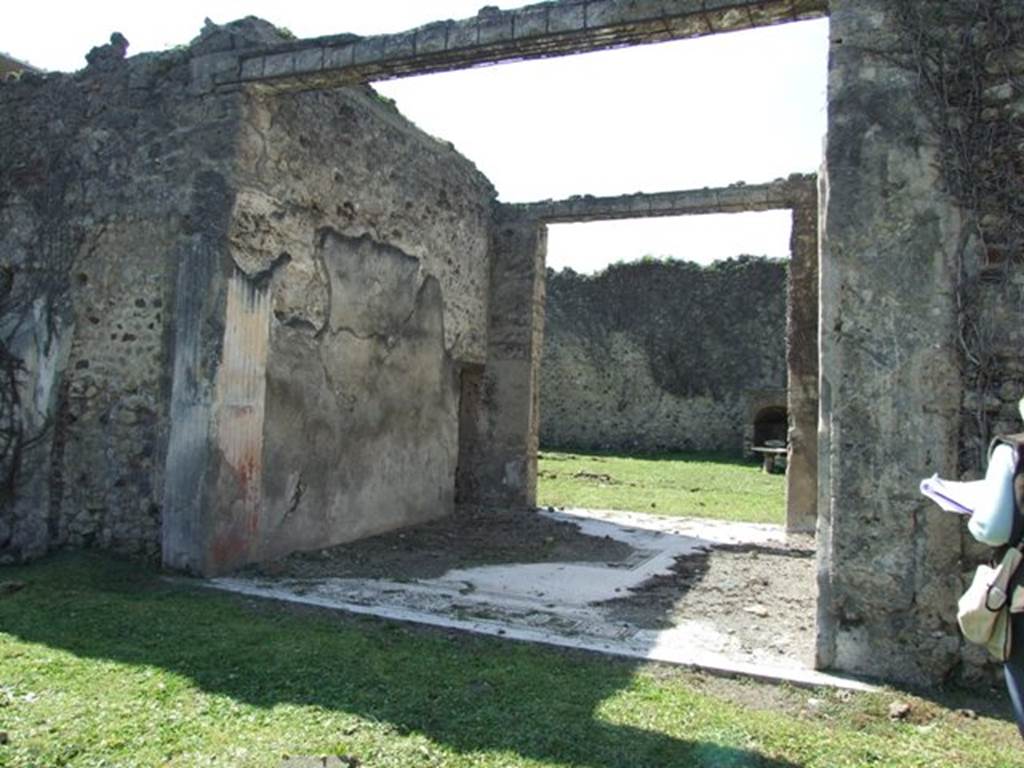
<point x="669" y="653"/>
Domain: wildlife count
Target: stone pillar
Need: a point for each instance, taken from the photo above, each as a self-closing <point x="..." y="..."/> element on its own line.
<point x="185" y="526"/>
<point x="802" y="365"/>
<point x="890" y="381"/>
<point x="501" y="415"/>
<point x="192" y="464"/>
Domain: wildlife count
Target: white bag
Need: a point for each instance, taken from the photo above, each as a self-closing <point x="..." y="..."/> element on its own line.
<point x="983" y="612"/>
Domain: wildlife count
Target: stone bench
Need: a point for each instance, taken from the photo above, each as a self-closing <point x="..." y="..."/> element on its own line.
<point x="770" y="456"/>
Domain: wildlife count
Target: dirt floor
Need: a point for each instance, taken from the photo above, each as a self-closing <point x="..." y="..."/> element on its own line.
<point x="761" y="595"/>
<point x="467" y="539"/>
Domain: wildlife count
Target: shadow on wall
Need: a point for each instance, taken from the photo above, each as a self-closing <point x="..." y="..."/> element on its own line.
<point x="97" y="609"/>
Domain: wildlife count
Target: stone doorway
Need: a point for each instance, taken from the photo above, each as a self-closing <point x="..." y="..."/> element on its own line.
<point x="501" y="438"/>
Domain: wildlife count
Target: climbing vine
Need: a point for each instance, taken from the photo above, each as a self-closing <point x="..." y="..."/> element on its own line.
<point x="11" y="368"/>
<point x="34" y="273"/>
<point x="968" y="58"/>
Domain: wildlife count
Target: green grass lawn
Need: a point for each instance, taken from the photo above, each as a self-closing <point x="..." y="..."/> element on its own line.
<point x="686" y="484"/>
<point x="102" y="663"/>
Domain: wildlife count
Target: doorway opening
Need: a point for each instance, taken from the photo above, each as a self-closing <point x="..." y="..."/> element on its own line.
<point x="654" y="356"/>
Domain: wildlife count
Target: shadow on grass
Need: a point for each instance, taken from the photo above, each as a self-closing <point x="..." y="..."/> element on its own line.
<point x="469" y="694"/>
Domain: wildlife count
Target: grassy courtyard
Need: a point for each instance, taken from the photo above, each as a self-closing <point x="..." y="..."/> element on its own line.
<point x="686" y="484"/>
<point x="104" y="664"/>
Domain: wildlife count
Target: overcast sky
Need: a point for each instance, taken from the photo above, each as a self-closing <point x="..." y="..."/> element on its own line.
<point x="744" y="106"/>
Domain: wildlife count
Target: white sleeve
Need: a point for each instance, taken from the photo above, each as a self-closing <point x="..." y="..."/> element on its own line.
<point x="992" y="521"/>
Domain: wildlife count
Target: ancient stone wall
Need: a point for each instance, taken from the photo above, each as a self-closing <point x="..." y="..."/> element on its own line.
<point x="499" y="433"/>
<point x="656" y="356"/>
<point x="906" y="308"/>
<point x="976" y="109"/>
<point x="980" y="133"/>
<point x="107" y="178"/>
<point x="890" y="385"/>
<point x="242" y="317"/>
<point x="381" y="233"/>
<point x="357" y="291"/>
<point x="802" y="307"/>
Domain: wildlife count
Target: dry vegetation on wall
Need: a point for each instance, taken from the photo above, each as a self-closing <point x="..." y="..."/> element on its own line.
<point x="11" y="368"/>
<point x="969" y="59"/>
<point x="34" y="278"/>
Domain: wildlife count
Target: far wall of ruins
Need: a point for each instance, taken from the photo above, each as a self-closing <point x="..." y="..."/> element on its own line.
<point x="662" y="355"/>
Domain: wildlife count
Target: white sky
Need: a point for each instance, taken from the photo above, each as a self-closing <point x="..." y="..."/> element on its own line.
<point x="746" y="106"/>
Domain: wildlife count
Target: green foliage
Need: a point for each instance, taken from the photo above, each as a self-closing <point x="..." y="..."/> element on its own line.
<point x="675" y="484"/>
<point x="679" y="263"/>
<point x="101" y="664"/>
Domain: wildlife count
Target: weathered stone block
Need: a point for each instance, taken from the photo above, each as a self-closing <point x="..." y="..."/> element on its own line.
<point x="1004" y="62"/>
<point x="400" y="45"/>
<point x="764" y="15"/>
<point x="463" y="34"/>
<point x="432" y="38"/>
<point x="309" y="60"/>
<point x="639" y="205"/>
<point x="279" y="64"/>
<point x="495" y="28"/>
<point x="252" y="69"/>
<point x="1001" y="92"/>
<point x="601" y="13"/>
<point x="336" y="57"/>
<point x="734" y="197"/>
<point x="369" y="50"/>
<point x="213" y="68"/>
<point x="531" y="21"/>
<point x="566" y="17"/>
<point x="705" y="199"/>
<point x="715" y="5"/>
<point x="728" y="19"/>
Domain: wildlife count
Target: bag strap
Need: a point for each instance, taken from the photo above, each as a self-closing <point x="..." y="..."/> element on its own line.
<point x="1016" y="440"/>
<point x="1017" y="529"/>
<point x="998" y="593"/>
